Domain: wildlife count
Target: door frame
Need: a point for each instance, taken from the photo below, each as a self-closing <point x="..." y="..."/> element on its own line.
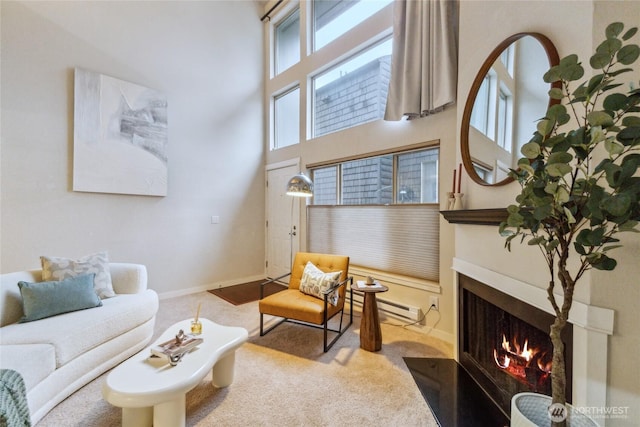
<point x="271" y="192"/>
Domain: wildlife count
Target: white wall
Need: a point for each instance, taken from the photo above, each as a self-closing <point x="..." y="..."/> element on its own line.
<point x="207" y="58"/>
<point x="574" y="27"/>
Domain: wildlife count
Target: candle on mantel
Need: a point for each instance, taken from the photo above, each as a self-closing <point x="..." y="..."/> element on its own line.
<point x="453" y="190"/>
<point x="459" y="176"/>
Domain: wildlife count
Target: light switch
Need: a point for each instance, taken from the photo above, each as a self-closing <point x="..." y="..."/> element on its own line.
<point x="215" y="219"/>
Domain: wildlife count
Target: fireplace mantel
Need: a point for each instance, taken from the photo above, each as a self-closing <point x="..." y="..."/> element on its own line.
<point x="591" y="327"/>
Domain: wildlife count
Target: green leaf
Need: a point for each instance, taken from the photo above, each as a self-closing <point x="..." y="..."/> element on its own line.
<point x="556" y="93"/>
<point x="572" y="72"/>
<point x="559" y="157"/>
<point x="588" y="237"/>
<point x="628" y="226"/>
<point x="620" y="71"/>
<point x="579" y="248"/>
<point x="570" y="218"/>
<point x="628" y="54"/>
<point x="597" y="135"/>
<point x="629" y="136"/>
<point x="612" y="170"/>
<point x="569" y="60"/>
<point x="553" y="75"/>
<point x="515" y="220"/>
<point x="614" y="29"/>
<point x="536" y="241"/>
<point x="602" y="165"/>
<point x="595" y="83"/>
<point x="613" y="147"/>
<point x="599" y="118"/>
<point x="600" y="60"/>
<point x="617" y="205"/>
<point x="632" y="32"/>
<point x="604" y="263"/>
<point x="631" y="121"/>
<point x="530" y="150"/>
<point x="558" y="169"/>
<point x="552" y="245"/>
<point x="609" y="47"/>
<point x="580" y="93"/>
<point x="545" y="126"/>
<point x="551" y="187"/>
<point x="615" y="102"/>
<point x="513" y="209"/>
<point x="542" y="212"/>
<point x="562" y="196"/>
<point x="558" y="113"/>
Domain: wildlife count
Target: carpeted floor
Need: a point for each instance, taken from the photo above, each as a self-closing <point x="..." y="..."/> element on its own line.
<point x="284" y="378"/>
<point x="246" y="292"/>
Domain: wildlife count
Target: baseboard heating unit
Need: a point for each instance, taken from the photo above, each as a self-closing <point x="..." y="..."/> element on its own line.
<point x="392" y="308"/>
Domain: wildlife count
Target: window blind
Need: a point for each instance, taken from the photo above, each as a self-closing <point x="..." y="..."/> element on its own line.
<point x="403" y="239"/>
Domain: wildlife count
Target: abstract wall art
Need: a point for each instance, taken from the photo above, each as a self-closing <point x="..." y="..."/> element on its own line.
<point x="120" y="136"/>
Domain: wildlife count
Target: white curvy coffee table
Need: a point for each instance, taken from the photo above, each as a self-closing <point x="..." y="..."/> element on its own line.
<point x="152" y="392"/>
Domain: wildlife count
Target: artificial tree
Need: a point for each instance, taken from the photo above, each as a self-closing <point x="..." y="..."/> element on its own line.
<point x="578" y="176"/>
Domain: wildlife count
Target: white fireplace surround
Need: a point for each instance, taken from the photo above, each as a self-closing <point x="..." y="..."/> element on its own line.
<point x="591" y="327"/>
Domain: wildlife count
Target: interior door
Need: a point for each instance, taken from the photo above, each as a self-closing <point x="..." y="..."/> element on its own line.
<point x="283" y="217"/>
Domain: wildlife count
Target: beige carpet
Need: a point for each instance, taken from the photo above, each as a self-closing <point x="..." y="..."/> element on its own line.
<point x="284" y="378"/>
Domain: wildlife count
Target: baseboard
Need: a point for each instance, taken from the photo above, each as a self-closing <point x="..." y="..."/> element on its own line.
<point x="204" y="288"/>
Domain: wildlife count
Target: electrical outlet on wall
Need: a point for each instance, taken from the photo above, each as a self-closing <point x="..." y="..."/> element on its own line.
<point x="433" y="302"/>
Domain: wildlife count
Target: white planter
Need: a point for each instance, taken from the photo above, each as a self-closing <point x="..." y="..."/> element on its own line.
<point x="533" y="410"/>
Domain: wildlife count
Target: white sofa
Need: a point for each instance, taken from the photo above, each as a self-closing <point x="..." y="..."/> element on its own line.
<point x="58" y="355"/>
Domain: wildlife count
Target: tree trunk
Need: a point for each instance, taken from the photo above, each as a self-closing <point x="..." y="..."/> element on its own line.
<point x="558" y="374"/>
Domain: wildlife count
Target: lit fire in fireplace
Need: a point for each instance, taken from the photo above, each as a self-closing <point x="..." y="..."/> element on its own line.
<point x="528" y="365"/>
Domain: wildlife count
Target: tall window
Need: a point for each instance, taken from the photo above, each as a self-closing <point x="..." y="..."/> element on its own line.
<point x="482" y="106"/>
<point x="287" y="42"/>
<point x="493" y="107"/>
<point x="343" y="78"/>
<point x="505" y="111"/>
<point x="403" y="178"/>
<point x="352" y="92"/>
<point x="333" y="18"/>
<point x="286" y="112"/>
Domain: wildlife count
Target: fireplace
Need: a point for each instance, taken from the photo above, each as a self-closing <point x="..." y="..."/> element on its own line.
<point x="504" y="343"/>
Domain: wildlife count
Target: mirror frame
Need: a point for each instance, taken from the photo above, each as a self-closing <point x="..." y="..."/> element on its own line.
<point x="554" y="59"/>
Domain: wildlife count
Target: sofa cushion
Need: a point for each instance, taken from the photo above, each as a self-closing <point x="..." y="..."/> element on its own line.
<point x="56" y="268"/>
<point x="315" y="282"/>
<point x="46" y="299"/>
<point x="35" y="362"/>
<point x="75" y="333"/>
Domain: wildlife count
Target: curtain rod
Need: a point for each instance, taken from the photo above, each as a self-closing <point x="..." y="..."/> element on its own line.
<point x="266" y="15"/>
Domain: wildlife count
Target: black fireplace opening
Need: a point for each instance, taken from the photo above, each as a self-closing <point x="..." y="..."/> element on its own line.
<point x="504" y="343"/>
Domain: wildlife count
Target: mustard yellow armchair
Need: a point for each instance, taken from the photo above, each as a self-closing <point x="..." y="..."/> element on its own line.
<point x="317" y="304"/>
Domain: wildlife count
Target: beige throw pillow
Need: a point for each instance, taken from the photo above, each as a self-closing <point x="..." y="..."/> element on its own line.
<point x="57" y="269"/>
<point x="314" y="282"/>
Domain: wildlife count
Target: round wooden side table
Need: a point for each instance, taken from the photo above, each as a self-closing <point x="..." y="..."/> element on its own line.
<point x="370" y="333"/>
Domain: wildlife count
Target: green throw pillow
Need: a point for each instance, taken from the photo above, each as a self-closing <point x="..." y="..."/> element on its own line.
<point x="46" y="299"/>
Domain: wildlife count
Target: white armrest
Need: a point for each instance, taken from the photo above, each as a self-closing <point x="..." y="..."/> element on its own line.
<point x="128" y="278"/>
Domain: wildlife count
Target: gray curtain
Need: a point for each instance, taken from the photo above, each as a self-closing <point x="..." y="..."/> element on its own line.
<point x="424" y="64"/>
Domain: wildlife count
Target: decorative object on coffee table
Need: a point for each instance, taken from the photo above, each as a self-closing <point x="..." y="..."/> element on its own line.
<point x="196" y="325"/>
<point x="176" y="348"/>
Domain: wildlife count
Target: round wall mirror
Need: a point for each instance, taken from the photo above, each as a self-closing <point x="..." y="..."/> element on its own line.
<point x="506" y="99"/>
